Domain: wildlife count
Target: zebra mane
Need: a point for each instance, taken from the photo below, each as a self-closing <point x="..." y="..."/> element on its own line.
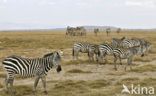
<point x="49" y="54"/>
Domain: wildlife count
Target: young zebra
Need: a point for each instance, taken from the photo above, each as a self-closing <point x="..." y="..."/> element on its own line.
<point x="30" y="68"/>
<point x="104" y="49"/>
<point x="123" y="53"/>
<point x="84" y="48"/>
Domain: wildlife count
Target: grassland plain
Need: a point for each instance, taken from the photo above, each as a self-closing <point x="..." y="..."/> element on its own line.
<point x="78" y="78"/>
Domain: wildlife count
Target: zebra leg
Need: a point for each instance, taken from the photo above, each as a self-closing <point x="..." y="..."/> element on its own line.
<point x="6" y="85"/>
<point x="35" y="84"/>
<point x="93" y="57"/>
<point x="89" y="57"/>
<point x="11" y="85"/>
<point x="43" y="78"/>
<point x="130" y="62"/>
<point x="115" y="59"/>
<point x="77" y="54"/>
<point x="120" y="61"/>
<point x="96" y="57"/>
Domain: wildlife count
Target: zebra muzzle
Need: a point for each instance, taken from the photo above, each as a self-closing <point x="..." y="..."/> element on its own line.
<point x="59" y="68"/>
<point x="142" y="55"/>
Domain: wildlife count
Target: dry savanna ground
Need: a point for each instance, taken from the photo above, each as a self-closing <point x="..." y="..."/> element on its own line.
<point x="78" y="78"/>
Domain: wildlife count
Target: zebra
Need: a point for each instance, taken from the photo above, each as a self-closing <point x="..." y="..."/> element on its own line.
<point x="126" y="53"/>
<point x="118" y="30"/>
<point x="128" y="43"/>
<point x="83" y="47"/>
<point x="144" y="42"/>
<point x="78" y="31"/>
<point x="117" y="42"/>
<point x="108" y="30"/>
<point x="96" y="31"/>
<point x="81" y="31"/>
<point x="104" y="49"/>
<point x="148" y="46"/>
<point x="93" y="49"/>
<point x="25" y="67"/>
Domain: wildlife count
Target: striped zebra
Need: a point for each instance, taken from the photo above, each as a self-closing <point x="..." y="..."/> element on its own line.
<point x="25" y="67"/>
<point x="148" y="46"/>
<point x="93" y="49"/>
<point x="104" y="50"/>
<point x="123" y="53"/>
<point x="96" y="31"/>
<point x="144" y="42"/>
<point x="83" y="47"/>
<point x="116" y="42"/>
<point x="128" y="43"/>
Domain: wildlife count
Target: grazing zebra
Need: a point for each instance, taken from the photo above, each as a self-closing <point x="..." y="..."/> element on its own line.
<point x="123" y="53"/>
<point x="30" y="68"/>
<point x="104" y="49"/>
<point x="78" y="31"/>
<point x="82" y="47"/>
<point x="116" y="42"/>
<point x="93" y="49"/>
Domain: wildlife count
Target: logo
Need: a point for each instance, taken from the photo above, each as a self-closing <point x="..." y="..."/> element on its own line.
<point x="138" y="90"/>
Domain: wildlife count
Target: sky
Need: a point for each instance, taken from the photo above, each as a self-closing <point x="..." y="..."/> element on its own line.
<point x="44" y="14"/>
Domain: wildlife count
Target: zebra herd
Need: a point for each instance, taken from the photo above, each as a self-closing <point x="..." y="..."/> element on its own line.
<point x="123" y="48"/>
<point x="78" y="31"/>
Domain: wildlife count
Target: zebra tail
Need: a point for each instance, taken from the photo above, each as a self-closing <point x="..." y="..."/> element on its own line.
<point x="73" y="52"/>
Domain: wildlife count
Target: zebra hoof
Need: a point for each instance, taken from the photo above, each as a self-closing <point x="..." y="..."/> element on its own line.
<point x="45" y="92"/>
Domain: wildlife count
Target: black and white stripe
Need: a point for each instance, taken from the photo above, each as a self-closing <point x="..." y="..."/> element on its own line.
<point x="93" y="49"/>
<point x="116" y="42"/>
<point x="104" y="50"/>
<point x="30" y="67"/>
<point x="123" y="53"/>
<point x="83" y="47"/>
<point x="143" y="42"/>
<point x="128" y="43"/>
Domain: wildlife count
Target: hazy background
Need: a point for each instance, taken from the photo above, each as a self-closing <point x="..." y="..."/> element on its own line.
<point x="47" y="14"/>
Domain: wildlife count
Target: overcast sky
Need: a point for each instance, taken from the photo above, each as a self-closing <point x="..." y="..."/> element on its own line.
<point x="18" y="14"/>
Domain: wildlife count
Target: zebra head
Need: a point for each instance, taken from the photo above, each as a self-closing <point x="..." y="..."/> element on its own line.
<point x="55" y="60"/>
<point x="141" y="50"/>
<point x="149" y="46"/>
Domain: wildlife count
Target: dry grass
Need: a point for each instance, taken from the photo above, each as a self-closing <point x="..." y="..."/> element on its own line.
<point x="116" y="73"/>
<point x="21" y="91"/>
<point x="144" y="68"/>
<point x="37" y="43"/>
<point x="75" y="62"/>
